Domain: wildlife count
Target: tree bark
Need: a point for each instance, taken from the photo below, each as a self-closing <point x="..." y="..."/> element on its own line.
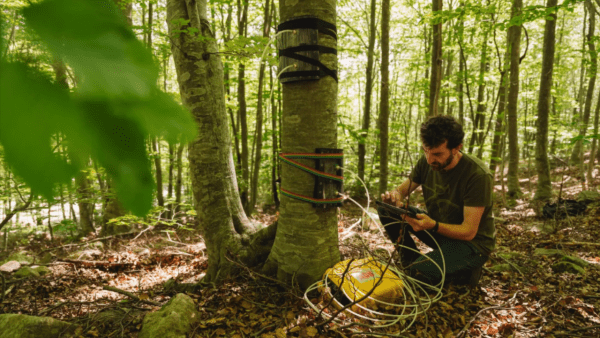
<point x="513" y="97"/>
<point x="84" y="201"/>
<point x="242" y="109"/>
<point x="178" y="181"/>
<point x="436" y="59"/>
<point x="461" y="68"/>
<point x="306" y="243"/>
<point x="384" y="105"/>
<point x="366" y="120"/>
<point x="479" y="121"/>
<point x="575" y="155"/>
<point x="578" y="149"/>
<point x="222" y="221"/>
<point x="495" y="155"/>
<point x="259" y="113"/>
<point x="159" y="177"/>
<point x="544" y="186"/>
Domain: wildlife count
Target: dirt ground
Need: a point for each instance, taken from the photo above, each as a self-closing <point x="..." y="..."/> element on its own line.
<point x="527" y="300"/>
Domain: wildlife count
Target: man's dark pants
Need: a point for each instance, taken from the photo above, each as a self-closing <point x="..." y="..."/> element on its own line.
<point x="461" y="257"/>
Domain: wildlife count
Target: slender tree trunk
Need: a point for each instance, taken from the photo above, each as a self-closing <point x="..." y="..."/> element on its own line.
<point x="578" y="149"/>
<point x="179" y="180"/>
<point x="513" y="96"/>
<point x="479" y="122"/>
<point x="544" y="186"/>
<point x="592" y="159"/>
<point x="86" y="208"/>
<point x="306" y="243"/>
<point x="461" y="68"/>
<point x="436" y="60"/>
<point x="575" y="155"/>
<point x="222" y="221"/>
<point x="259" y="113"/>
<point x="384" y="105"/>
<point x="242" y="109"/>
<point x="366" y="120"/>
<point x="159" y="177"/>
<point x="495" y="156"/>
<point x="274" y="143"/>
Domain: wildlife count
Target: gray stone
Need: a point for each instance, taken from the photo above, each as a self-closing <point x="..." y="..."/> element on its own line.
<point x="26" y="272"/>
<point x="562" y="267"/>
<point x="10" y="266"/>
<point x="24" y="326"/>
<point x="174" y="320"/>
<point x="576" y="260"/>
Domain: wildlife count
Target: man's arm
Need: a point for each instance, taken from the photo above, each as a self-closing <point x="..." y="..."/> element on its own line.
<point x="465" y="231"/>
<point x="398" y="195"/>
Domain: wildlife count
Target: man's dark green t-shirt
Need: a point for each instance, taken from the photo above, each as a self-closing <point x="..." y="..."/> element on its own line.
<point x="446" y="194"/>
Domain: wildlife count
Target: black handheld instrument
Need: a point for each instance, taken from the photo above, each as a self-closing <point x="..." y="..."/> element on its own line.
<point x="396" y="212"/>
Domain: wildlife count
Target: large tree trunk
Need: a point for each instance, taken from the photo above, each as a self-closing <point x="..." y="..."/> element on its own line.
<point x="384" y="104"/>
<point x="513" y="97"/>
<point x="366" y="120"/>
<point x="306" y="243"/>
<point x="222" y="221"/>
<point x="544" y="186"/>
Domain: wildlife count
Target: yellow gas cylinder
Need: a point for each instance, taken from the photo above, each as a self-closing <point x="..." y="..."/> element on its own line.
<point x="357" y="277"/>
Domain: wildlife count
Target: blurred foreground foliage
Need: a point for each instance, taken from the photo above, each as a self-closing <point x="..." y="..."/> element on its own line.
<point x="114" y="108"/>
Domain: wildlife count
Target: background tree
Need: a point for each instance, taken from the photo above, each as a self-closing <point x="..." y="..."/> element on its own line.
<point x="366" y="118"/>
<point x="384" y="106"/>
<point x="436" y="58"/>
<point x="544" y="187"/>
<point x="513" y="97"/>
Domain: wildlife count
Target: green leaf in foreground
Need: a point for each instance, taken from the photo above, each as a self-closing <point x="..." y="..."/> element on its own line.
<point x="109" y="117"/>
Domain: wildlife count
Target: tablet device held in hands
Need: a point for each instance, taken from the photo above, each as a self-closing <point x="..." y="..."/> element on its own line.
<point x="396" y="212"/>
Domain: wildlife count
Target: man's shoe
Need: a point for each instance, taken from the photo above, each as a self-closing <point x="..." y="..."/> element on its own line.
<point x="475" y="276"/>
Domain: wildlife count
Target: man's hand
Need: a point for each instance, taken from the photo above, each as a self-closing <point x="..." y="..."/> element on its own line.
<point x="393" y="198"/>
<point x="422" y="222"/>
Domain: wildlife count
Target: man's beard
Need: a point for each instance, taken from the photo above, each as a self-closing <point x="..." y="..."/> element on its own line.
<point x="437" y="166"/>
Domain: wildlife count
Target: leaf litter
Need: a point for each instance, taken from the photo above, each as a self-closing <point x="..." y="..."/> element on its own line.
<point x="527" y="300"/>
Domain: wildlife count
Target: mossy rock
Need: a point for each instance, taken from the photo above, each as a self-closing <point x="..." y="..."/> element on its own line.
<point x="562" y="267"/>
<point x="588" y="196"/>
<point x="502" y="268"/>
<point x="576" y="260"/>
<point x="26" y="272"/>
<point x="548" y="252"/>
<point x="46" y="258"/>
<point x="42" y="270"/>
<point x="20" y="257"/>
<point x="510" y="255"/>
<point x="174" y="320"/>
<point x="24" y="326"/>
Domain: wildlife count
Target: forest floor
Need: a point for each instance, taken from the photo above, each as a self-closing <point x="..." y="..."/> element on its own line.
<point x="528" y="299"/>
